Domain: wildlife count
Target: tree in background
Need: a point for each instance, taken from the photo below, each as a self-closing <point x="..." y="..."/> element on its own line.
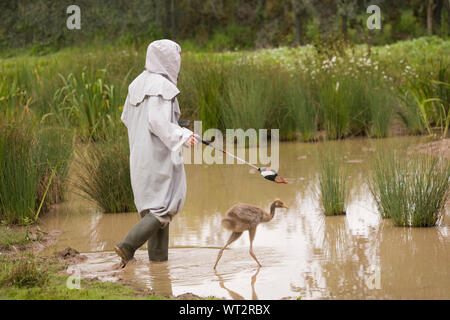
<point x="326" y="10"/>
<point x="217" y="24"/>
<point x="431" y="5"/>
<point x="302" y="12"/>
<point x="346" y="9"/>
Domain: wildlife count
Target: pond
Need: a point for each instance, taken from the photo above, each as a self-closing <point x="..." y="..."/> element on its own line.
<point x="302" y="252"/>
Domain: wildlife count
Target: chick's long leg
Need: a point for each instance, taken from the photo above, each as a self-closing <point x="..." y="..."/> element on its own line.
<point x="234" y="236"/>
<point x="252" y="233"/>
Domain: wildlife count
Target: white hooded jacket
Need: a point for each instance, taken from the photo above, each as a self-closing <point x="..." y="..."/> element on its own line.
<point x="151" y="114"/>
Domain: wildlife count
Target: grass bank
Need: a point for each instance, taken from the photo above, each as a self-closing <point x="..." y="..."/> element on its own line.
<point x="28" y="275"/>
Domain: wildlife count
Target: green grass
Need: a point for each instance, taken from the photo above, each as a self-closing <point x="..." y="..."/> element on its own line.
<point x="411" y="191"/>
<point x="26" y="276"/>
<point x="332" y="181"/>
<point x="23" y="271"/>
<point x="9" y="238"/>
<point x="29" y="277"/>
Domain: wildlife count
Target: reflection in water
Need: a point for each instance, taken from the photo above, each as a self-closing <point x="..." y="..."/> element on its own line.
<point x="160" y="280"/>
<point x="415" y="262"/>
<point x="303" y="253"/>
<point x="234" y="295"/>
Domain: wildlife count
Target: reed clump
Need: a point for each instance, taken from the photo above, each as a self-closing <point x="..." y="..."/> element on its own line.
<point x="103" y="175"/>
<point x="412" y="191"/>
<point x="332" y="182"/>
<point x="19" y="177"/>
<point x="33" y="167"/>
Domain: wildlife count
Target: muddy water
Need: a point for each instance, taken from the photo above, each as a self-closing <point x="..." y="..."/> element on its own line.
<point x="303" y="253"/>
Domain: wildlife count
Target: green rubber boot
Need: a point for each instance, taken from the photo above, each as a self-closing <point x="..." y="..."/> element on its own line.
<point x="158" y="245"/>
<point x="141" y="232"/>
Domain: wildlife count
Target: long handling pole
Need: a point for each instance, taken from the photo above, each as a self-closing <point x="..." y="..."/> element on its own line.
<point x="231" y="155"/>
<point x="267" y="173"/>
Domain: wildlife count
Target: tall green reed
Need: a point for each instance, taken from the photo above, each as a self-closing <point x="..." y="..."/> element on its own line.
<point x="202" y="87"/>
<point x="103" y="175"/>
<point x="426" y="100"/>
<point x="13" y="99"/>
<point x="33" y="167"/>
<point x="88" y="103"/>
<point x="334" y="110"/>
<point x="246" y="101"/>
<point x="301" y="112"/>
<point x="332" y="181"/>
<point x="381" y="109"/>
<point x="19" y="175"/>
<point x="54" y="152"/>
<point x="355" y="105"/>
<point x="411" y="191"/>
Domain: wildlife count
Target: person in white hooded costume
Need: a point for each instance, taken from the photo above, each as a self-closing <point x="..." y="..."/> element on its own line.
<point x="158" y="179"/>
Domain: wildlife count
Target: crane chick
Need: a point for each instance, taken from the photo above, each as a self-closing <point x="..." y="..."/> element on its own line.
<point x="243" y="217"/>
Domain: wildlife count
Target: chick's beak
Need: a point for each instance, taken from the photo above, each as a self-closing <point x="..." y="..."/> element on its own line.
<point x="284" y="206"/>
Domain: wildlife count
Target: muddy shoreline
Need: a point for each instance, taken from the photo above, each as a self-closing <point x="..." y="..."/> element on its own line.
<point x="40" y="243"/>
